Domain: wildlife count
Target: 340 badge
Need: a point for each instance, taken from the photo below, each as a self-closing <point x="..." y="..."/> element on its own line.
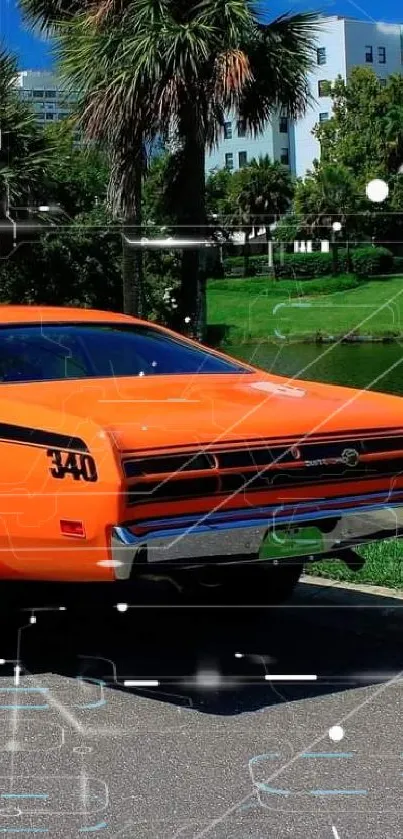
<point x="80" y="466"/>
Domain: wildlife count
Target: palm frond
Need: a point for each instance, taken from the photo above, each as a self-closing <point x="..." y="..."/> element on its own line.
<point x="281" y="54"/>
<point x="232" y="71"/>
<point x="48" y="14"/>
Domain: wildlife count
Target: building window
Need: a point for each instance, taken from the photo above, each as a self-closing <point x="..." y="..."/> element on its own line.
<point x="242" y="159"/>
<point x="321" y="55"/>
<point x="382" y="82"/>
<point x="284" y="157"/>
<point x="48" y="116"/>
<point x="324" y="116"/>
<point x="37" y="94"/>
<point x="241" y="128"/>
<point x="229" y="161"/>
<point x="50" y="94"/>
<point x="382" y="55"/>
<point x="323" y="87"/>
<point x="50" y="106"/>
<point x="227" y="130"/>
<point x="283" y="125"/>
<point x="369" y="57"/>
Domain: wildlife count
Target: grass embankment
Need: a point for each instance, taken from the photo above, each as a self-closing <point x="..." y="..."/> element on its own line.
<point x="261" y="309"/>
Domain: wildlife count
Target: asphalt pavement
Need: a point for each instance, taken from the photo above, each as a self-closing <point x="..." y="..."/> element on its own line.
<point x="241" y="723"/>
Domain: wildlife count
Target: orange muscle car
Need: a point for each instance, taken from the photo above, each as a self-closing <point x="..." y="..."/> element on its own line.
<point x="127" y="449"/>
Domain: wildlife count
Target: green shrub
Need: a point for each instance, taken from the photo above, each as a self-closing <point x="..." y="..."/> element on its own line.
<point x="398" y="264"/>
<point x="369" y="261"/>
<point x="365" y="262"/>
<point x="298" y="265"/>
<point x="309" y="265"/>
<point x="235" y="265"/>
<point x="233" y="262"/>
<point x="280" y="288"/>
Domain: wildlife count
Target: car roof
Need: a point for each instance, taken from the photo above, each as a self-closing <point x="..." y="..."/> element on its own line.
<point x="56" y="314"/>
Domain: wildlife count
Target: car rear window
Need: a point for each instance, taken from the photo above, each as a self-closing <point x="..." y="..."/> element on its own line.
<point x="80" y="351"/>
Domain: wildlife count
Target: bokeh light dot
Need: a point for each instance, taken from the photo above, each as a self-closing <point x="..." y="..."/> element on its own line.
<point x="377" y="190"/>
<point x="336" y="733"/>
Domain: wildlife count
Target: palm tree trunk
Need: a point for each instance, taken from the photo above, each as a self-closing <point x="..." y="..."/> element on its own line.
<point x="124" y="199"/>
<point x="132" y="274"/>
<point x="348" y="254"/>
<point x="246" y="254"/>
<point x="192" y="215"/>
<point x="132" y="263"/>
<point x="270" y="260"/>
<point x="335" y="261"/>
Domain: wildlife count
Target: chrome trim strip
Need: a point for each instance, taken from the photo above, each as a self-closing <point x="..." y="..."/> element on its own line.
<point x="186" y="541"/>
<point x="323" y="508"/>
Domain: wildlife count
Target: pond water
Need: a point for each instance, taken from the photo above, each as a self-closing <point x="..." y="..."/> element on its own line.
<point x="372" y="366"/>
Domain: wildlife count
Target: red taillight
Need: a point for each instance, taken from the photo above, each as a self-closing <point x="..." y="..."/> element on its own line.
<point x="72" y="528"/>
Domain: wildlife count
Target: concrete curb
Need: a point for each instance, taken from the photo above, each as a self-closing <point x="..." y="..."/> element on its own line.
<point x="380" y="591"/>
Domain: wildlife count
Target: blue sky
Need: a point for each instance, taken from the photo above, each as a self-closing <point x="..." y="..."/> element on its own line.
<point x="34" y="53"/>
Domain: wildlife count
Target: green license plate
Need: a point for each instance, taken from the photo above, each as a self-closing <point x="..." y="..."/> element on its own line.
<point x="292" y="541"/>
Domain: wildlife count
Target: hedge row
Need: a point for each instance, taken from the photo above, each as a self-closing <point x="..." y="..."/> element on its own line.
<point x="369" y="261"/>
<point x="398" y="264"/>
<point x="364" y="262"/>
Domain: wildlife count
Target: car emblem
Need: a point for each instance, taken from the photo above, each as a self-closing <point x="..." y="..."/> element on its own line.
<point x="350" y="457"/>
<point x="295" y="453"/>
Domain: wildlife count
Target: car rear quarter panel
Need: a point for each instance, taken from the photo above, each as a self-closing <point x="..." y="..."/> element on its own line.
<point x="33" y="501"/>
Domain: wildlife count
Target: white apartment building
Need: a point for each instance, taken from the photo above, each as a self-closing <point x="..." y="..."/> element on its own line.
<point x="343" y="43"/>
<point x="44" y="92"/>
<point x="237" y="147"/>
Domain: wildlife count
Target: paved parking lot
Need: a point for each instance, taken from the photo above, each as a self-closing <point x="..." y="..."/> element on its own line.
<point x="220" y="747"/>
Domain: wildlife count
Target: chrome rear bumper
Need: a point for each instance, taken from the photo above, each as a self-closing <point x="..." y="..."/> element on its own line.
<point x="344" y="522"/>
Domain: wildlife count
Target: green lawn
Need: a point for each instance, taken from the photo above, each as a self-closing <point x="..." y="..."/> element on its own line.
<point x="383" y="566"/>
<point x="259" y="309"/>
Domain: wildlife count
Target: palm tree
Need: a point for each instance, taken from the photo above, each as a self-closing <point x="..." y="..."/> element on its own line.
<point x="117" y="118"/>
<point x="217" y="57"/>
<point x="328" y="194"/>
<point x="261" y="192"/>
<point x="176" y="67"/>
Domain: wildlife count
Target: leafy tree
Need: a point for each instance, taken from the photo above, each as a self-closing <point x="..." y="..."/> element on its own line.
<point x="355" y="135"/>
<point x="80" y="264"/>
<point x="24" y="151"/>
<point x="290" y="228"/>
<point x="218" y="187"/>
<point x="75" y="177"/>
<point x="40" y="166"/>
<point x="365" y="135"/>
<point x="74" y="265"/>
<point x="394" y="135"/>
